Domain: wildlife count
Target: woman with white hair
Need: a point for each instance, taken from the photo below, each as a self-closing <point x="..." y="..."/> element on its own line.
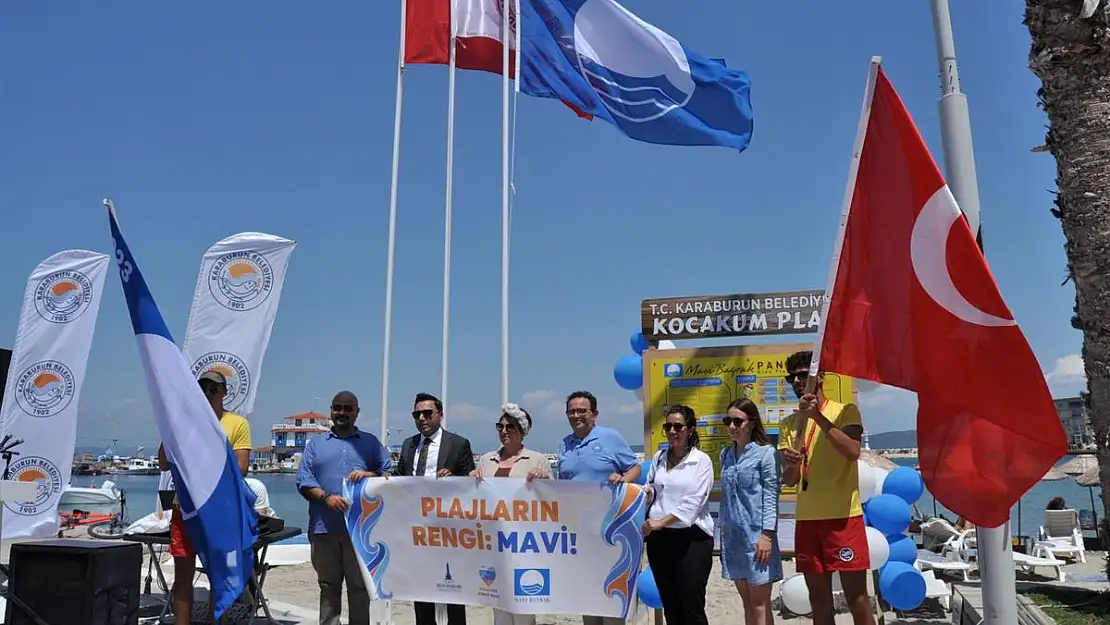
<point x="513" y="460"/>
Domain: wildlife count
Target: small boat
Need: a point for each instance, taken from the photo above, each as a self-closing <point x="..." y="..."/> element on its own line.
<point x="103" y="500"/>
<point x="139" y="466"/>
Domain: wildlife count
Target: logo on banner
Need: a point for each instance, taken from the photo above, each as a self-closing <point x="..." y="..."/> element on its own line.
<point x="241" y="280"/>
<point x="488" y="575"/>
<point x="46" y="478"/>
<point x="63" y="296"/>
<point x="45" y="388"/>
<point x="448" y="583"/>
<point x="234" y="371"/>
<point x="532" y="585"/>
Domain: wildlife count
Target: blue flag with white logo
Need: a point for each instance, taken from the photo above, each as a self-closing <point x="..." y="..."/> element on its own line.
<point x="215" y="503"/>
<point x="603" y="61"/>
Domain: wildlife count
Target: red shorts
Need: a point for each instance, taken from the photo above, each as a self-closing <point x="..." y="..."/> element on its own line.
<point x="180" y="545"/>
<point x="831" y="545"/>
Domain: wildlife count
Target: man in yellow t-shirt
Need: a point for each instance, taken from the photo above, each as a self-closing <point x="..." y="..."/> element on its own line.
<point x="830" y="535"/>
<point x="238" y="432"/>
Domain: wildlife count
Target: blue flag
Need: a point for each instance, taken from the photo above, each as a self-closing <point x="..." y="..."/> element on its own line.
<point x="603" y="61"/>
<point x="216" y="504"/>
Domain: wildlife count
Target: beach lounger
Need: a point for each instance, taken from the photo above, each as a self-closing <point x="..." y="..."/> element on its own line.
<point x="938" y="589"/>
<point x="1062" y="535"/>
<point x="927" y="561"/>
<point x="1040" y="558"/>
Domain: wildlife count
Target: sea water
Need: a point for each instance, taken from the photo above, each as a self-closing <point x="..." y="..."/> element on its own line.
<point x="287" y="502"/>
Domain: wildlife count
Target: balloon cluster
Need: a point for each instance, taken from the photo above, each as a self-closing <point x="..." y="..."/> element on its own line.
<point x="886" y="497"/>
<point x="629" y="371"/>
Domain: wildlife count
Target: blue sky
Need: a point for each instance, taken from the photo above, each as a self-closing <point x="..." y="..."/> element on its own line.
<point x="208" y="118"/>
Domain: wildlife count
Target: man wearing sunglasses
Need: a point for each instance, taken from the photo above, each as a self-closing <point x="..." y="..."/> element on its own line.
<point x="434" y="452"/>
<point x="344" y="452"/>
<point x="238" y="431"/>
<point x="830" y="535"/>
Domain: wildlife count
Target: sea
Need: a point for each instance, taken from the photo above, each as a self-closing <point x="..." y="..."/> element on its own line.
<point x="1025" y="518"/>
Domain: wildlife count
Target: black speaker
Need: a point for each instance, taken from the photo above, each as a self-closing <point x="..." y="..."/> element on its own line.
<point x="5" y="362"/>
<point x="75" y="582"/>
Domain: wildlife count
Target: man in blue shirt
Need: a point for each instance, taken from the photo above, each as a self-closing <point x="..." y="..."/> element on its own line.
<point x="345" y="451"/>
<point x="594" y="453"/>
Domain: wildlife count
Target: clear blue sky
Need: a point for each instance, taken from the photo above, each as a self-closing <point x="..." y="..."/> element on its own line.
<point x="208" y="118"/>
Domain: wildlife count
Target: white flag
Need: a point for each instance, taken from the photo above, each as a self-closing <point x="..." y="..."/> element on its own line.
<point x="233" y="311"/>
<point x="49" y="358"/>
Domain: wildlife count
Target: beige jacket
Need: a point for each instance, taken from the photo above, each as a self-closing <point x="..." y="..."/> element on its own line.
<point x="528" y="460"/>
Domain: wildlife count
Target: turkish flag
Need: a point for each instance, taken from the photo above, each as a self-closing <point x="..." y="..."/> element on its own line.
<point x="477" y="26"/>
<point x="915" y="306"/>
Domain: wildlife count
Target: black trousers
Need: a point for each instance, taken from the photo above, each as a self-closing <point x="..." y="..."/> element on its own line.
<point x="426" y="613"/>
<point x="681" y="560"/>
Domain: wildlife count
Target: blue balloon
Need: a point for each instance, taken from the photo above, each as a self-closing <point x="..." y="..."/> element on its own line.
<point x="638" y="342"/>
<point x="905" y="483"/>
<point x="889" y="514"/>
<point x="648" y="591"/>
<point x="644" y="468"/>
<point x="902" y="549"/>
<point x="629" y="372"/>
<point x="902" y="586"/>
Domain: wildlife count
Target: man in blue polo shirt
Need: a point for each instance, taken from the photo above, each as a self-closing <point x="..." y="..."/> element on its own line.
<point x="591" y="452"/>
<point x="345" y="451"/>
<point x="594" y="453"/>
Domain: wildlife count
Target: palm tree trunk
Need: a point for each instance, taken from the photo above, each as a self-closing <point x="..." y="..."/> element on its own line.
<point x="1071" y="56"/>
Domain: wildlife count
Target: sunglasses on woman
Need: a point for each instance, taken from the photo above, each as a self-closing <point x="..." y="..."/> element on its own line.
<point x="677" y="427"/>
<point x="730" y="421"/>
<point x="505" y="427"/>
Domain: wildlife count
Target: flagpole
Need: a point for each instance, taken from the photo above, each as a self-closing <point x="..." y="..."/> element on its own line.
<point x="391" y="245"/>
<point x="505" y="49"/>
<point x="995" y="551"/>
<point x="838" y="244"/>
<point x="447" y="220"/>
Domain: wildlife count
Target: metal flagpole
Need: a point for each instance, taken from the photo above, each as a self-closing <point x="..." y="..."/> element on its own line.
<point x="447" y="219"/>
<point x="391" y="245"/>
<point x="505" y="48"/>
<point x="995" y="551"/>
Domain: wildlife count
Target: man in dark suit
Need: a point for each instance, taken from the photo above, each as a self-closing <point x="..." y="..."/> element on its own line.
<point x="434" y="452"/>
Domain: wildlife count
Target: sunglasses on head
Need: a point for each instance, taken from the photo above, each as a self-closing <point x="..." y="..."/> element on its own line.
<point x="677" y="427"/>
<point x="209" y="388"/>
<point x="342" y="408"/>
<point x="730" y="421"/>
<point x="505" y="427"/>
<point x="427" y="414"/>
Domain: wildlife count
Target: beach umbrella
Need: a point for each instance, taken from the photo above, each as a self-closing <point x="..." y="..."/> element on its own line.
<point x="1090" y="479"/>
<point x="1080" y="464"/>
<point x="1054" y="474"/>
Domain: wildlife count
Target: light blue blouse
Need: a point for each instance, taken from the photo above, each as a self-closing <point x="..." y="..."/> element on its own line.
<point x="750" y="487"/>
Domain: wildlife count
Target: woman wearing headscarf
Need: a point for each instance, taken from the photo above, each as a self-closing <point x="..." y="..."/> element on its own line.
<point x="512" y="459"/>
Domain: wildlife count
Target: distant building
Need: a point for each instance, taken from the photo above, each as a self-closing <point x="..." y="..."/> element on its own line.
<point x="291" y="436"/>
<point x="1076" y="422"/>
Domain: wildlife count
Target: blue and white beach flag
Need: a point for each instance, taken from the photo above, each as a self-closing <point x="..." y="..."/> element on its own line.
<point x="603" y="61"/>
<point x="216" y="504"/>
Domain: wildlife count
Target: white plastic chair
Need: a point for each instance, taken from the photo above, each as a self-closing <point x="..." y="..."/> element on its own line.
<point x="1061" y="535"/>
<point x="1040" y="558"/>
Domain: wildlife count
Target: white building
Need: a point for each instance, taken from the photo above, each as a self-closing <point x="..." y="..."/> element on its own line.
<point x="1076" y="422"/>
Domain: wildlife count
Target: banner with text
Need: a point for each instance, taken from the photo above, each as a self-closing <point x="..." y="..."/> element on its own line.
<point x="540" y="547"/>
<point x="748" y="314"/>
<point x="49" y="358"/>
<point x="234" y="307"/>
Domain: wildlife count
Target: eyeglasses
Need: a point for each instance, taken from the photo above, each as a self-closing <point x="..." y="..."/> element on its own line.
<point x="730" y="421"/>
<point x="579" y="412"/>
<point x="342" y="408"/>
<point x="426" y="414"/>
<point x="505" y="427"/>
<point x="801" y="376"/>
<point x="677" y="427"/>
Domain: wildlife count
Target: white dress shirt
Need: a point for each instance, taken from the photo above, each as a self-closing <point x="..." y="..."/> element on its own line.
<point x="433" y="454"/>
<point x="682" y="491"/>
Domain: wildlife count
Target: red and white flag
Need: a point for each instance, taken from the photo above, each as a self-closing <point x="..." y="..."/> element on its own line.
<point x="476" y="25"/>
<point x="915" y="306"/>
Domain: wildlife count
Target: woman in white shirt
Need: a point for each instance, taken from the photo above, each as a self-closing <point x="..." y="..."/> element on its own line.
<point x="678" y="532"/>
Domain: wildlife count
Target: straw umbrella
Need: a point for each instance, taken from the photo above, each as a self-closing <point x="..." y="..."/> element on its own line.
<point x="1054" y="474"/>
<point x="1090" y="480"/>
<point x="1080" y="464"/>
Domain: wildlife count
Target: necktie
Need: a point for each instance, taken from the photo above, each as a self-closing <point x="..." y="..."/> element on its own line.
<point x="422" y="462"/>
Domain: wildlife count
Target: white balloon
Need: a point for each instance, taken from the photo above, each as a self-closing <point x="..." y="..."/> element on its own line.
<point x="865" y="386"/>
<point x="639" y="393"/>
<point x="870" y="480"/>
<point x="795" y="595"/>
<point x="665" y="344"/>
<point x="878" y="548"/>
